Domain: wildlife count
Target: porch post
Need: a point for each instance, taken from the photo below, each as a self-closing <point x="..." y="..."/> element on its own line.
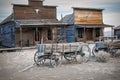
<point x="84" y="35"/>
<point x="101" y="32"/>
<point x="94" y="34"/>
<point x="36" y="33"/>
<point x="21" y="37"/>
<point x="64" y="34"/>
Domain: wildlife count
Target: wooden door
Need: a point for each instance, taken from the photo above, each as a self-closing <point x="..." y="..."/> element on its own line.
<point x="89" y="33"/>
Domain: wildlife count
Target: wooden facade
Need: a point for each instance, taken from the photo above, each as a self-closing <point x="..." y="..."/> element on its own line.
<point x="91" y="22"/>
<point x="38" y="23"/>
<point x="88" y="16"/>
<point x="32" y="35"/>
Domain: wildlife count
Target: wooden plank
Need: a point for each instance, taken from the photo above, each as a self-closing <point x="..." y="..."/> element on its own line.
<point x="62" y="47"/>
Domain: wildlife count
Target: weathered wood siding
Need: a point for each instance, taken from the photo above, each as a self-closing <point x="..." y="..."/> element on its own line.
<point x="28" y="11"/>
<point x="87" y="17"/>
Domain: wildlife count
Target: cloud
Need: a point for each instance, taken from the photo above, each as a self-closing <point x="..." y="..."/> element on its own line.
<point x="112" y="18"/>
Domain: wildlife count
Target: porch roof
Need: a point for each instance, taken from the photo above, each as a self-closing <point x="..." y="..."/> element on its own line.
<point x="41" y="22"/>
<point x="93" y="25"/>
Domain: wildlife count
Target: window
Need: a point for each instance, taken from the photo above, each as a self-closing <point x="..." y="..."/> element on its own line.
<point x="80" y="33"/>
<point x="97" y="32"/>
<point x="49" y="34"/>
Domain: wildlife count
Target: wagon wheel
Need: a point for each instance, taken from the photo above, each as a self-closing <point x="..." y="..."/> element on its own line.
<point x="95" y="51"/>
<point x="79" y="58"/>
<point x="70" y="56"/>
<point x="55" y="59"/>
<point x="85" y="53"/>
<point x="38" y="59"/>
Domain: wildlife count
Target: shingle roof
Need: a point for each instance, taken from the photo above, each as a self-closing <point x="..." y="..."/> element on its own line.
<point x="9" y="18"/>
<point x="68" y="19"/>
<point x="34" y="22"/>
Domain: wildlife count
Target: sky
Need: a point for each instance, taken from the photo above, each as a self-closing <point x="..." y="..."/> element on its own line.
<point x="111" y="12"/>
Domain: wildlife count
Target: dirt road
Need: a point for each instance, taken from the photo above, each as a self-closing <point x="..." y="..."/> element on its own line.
<point x="19" y="66"/>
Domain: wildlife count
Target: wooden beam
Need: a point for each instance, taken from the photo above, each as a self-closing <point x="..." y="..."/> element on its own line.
<point x="84" y="34"/>
<point x="21" y="37"/>
<point x="36" y="30"/>
<point x="64" y="34"/>
<point x="94" y="34"/>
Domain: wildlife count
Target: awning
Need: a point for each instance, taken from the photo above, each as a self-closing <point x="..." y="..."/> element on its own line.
<point x="92" y="26"/>
<point x="41" y="22"/>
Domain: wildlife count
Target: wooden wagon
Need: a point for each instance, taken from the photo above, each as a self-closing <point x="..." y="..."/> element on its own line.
<point x="77" y="52"/>
<point x="108" y="45"/>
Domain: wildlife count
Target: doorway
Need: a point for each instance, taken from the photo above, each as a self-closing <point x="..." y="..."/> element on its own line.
<point x="89" y="33"/>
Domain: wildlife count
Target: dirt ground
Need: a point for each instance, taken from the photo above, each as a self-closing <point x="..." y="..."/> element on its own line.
<point x="19" y="65"/>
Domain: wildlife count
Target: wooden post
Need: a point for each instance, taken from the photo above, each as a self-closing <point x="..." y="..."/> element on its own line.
<point x="94" y="34"/>
<point x="21" y="37"/>
<point x="84" y="35"/>
<point x="64" y="34"/>
<point x="36" y="33"/>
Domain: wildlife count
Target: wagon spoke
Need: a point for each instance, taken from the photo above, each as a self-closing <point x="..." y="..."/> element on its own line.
<point x="55" y="60"/>
<point x="38" y="59"/>
<point x="85" y="53"/>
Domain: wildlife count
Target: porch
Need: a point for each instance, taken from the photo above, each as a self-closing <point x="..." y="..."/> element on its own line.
<point x="89" y="32"/>
<point x="31" y="35"/>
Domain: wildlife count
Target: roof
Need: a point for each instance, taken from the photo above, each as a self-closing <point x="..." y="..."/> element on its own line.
<point x="23" y="5"/>
<point x="68" y="19"/>
<point x="34" y="22"/>
<point x="41" y="22"/>
<point x="9" y="18"/>
<point x="94" y="9"/>
<point x="118" y="27"/>
<point x="93" y="25"/>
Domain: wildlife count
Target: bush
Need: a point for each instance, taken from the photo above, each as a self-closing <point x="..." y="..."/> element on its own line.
<point x="102" y="56"/>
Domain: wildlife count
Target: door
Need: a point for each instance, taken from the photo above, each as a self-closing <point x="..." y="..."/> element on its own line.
<point x="89" y="33"/>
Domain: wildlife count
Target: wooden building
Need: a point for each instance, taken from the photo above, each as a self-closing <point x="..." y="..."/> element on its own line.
<point x="88" y="23"/>
<point x="35" y="23"/>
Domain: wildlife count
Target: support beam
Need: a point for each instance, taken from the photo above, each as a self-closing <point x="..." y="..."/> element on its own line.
<point x="21" y="41"/>
<point x="94" y="34"/>
<point x="64" y="34"/>
<point x="36" y="30"/>
<point x="84" y="34"/>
